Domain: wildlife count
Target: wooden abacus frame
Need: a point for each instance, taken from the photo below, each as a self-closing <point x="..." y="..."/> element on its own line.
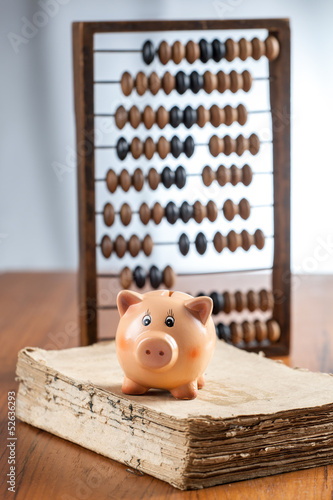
<point x="279" y="71"/>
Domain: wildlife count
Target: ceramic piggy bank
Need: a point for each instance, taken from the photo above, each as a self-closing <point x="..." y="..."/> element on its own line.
<point x="164" y="340"/>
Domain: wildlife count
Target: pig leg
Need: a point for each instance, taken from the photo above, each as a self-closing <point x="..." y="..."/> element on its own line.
<point x="131" y="387"/>
<point x="201" y="381"/>
<point x="186" y="391"/>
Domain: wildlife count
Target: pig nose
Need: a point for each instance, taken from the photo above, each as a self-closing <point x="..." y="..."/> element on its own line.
<point x="157" y="351"/>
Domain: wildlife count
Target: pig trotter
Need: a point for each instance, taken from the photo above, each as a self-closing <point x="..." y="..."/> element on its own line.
<point x="130" y="387"/>
<point x="201" y="381"/>
<point x="186" y="391"/>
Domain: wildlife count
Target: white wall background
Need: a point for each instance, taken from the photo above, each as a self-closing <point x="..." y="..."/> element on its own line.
<point x="38" y="213"/>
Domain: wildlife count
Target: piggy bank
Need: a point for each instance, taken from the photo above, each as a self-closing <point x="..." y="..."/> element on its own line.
<point x="164" y="340"/>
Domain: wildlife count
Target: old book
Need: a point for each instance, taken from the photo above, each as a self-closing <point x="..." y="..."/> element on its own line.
<point x="254" y="417"/>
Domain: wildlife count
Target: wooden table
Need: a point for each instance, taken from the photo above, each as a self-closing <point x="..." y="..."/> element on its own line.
<point x="40" y="309"/>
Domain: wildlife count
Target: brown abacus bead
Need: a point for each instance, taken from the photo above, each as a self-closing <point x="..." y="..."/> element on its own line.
<point x="259" y="239"/>
<point x="261" y="330"/>
<point x="242" y="144"/>
<point x="136" y="148"/>
<point x="210" y="82"/>
<point x="212" y="211"/>
<point x="232" y="49"/>
<point x="163" y="147"/>
<point x="273" y="330"/>
<point x="147" y="245"/>
<point x="236" y="81"/>
<point x="252" y="300"/>
<point x="247" y="175"/>
<point x="217" y="115"/>
<point x="144" y="213"/>
<point x="126" y="277"/>
<point x="199" y="212"/>
<point x="223" y="175"/>
<point x="154" y="83"/>
<point x="108" y="214"/>
<point x="245" y="49"/>
<point x="241" y="114"/>
<point x="254" y="144"/>
<point x="125" y="214"/>
<point x="127" y="83"/>
<point x="235" y="175"/>
<point x="240" y="301"/>
<point x="106" y="246"/>
<point x="178" y="52"/>
<point x="208" y="175"/>
<point x="229" y="302"/>
<point x="272" y="48"/>
<point x="154" y="178"/>
<point x="192" y="51"/>
<point x="148" y="117"/>
<point x="231" y="115"/>
<point x="244" y="209"/>
<point x="149" y="148"/>
<point x="121" y="117"/>
<point x="265" y="300"/>
<point x="249" y="332"/>
<point x="141" y="83"/>
<point x="258" y="48"/>
<point x="134" y="117"/>
<point x="223" y="82"/>
<point x="120" y="246"/>
<point x="168" y="82"/>
<point x="111" y="181"/>
<point x="162" y="117"/>
<point x="236" y="332"/>
<point x="134" y="245"/>
<point x="247" y="81"/>
<point x="229" y="145"/>
<point x="247" y="240"/>
<point x="157" y="213"/>
<point x="203" y="116"/>
<point x="164" y="52"/>
<point x="220" y="242"/>
<point x="138" y="179"/>
<point x="169" y="277"/>
<point x="234" y="241"/>
<point x="216" y="145"/>
<point x="125" y="180"/>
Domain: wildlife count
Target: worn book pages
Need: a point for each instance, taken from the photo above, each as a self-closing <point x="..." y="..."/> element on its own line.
<point x="254" y="417"/>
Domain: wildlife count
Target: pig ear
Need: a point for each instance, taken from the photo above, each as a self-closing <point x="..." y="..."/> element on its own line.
<point x="200" y="307"/>
<point x="126" y="299"/>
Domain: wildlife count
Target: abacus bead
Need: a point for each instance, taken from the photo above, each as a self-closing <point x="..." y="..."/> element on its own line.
<point x="229" y="145"/>
<point x="141" y="83"/>
<point x="236" y="81"/>
<point x="272" y="48"/>
<point x="236" y="175"/>
<point x="240" y="301"/>
<point x="111" y="181"/>
<point x="196" y="82"/>
<point x="125" y="214"/>
<point x="171" y="212"/>
<point x="242" y="144"/>
<point x="192" y="51"/>
<point x="229" y="211"/>
<point x="163" y="147"/>
<point x="212" y="211"/>
<point x="223" y="175"/>
<point x="252" y="301"/>
<point x="127" y="83"/>
<point x="247" y="175"/>
<point x="126" y="277"/>
<point x="154" y="83"/>
<point x="176" y="146"/>
<point x="168" y="177"/>
<point x="148" y="117"/>
<point x="230" y="115"/>
<point x="199" y="212"/>
<point x="148" y="52"/>
<point x="273" y="330"/>
<point x="245" y="49"/>
<point x="206" y="50"/>
<point x="259" y="239"/>
<point x="139" y="277"/>
<point x="176" y="116"/>
<point x="180" y="177"/>
<point x="254" y="144"/>
<point x="258" y="48"/>
<point x="229" y="302"/>
<point x="106" y="246"/>
<point x="203" y="116"/>
<point x="232" y="49"/>
<point x="220" y="242"/>
<point x="121" y="117"/>
<point x="108" y="214"/>
<point x="223" y="81"/>
<point x="138" y="179"/>
<point x="178" y="52"/>
<point x="125" y="180"/>
<point x="217" y="302"/>
<point x="249" y="332"/>
<point x="219" y="50"/>
<point x="182" y="82"/>
<point x="264" y="300"/>
<point x="223" y="332"/>
<point x="234" y="241"/>
<point x="134" y="245"/>
<point x="162" y="117"/>
<point x="190" y="116"/>
<point x="134" y="117"/>
<point x="168" y="82"/>
<point x="157" y="213"/>
<point x="144" y="213"/>
<point x="217" y="116"/>
<point x="241" y="114"/>
<point x="169" y="277"/>
<point x="244" y="209"/>
<point x="184" y="244"/>
<point x="153" y="178"/>
<point x="247" y="81"/>
<point x="216" y="145"/>
<point x="164" y="52"/>
<point x="189" y="146"/>
<point x="247" y="240"/>
<point x="149" y="148"/>
<point x="261" y="330"/>
<point x="186" y="211"/>
<point x="236" y="332"/>
<point x="208" y="175"/>
<point x="122" y="148"/>
<point x="155" y="277"/>
<point x="120" y="246"/>
<point x="136" y="148"/>
<point x="210" y="82"/>
<point x="201" y="243"/>
<point x="147" y="245"/>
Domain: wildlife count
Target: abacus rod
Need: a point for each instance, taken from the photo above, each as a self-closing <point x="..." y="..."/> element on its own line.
<point x="195" y="144"/>
<point x="159" y="243"/>
<point x="117" y="50"/>
<point x="255" y="111"/>
<point x="103" y="179"/>
<point x="114" y="82"/>
<point x="229" y="271"/>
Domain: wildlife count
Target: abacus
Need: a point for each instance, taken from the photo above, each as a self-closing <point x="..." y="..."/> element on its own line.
<point x="186" y="78"/>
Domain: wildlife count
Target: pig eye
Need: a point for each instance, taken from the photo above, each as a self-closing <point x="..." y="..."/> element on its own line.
<point x="169" y="321"/>
<point x="146" y="320"/>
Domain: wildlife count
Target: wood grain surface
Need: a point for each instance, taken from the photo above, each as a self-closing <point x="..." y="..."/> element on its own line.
<point x="40" y="309"/>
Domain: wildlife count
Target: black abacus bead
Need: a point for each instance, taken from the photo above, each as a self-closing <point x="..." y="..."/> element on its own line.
<point x="176" y="146"/>
<point x="122" y="148"/>
<point x="184" y="244"/>
<point x="186" y="211"/>
<point x="189" y="146"/>
<point x="190" y="116"/>
<point x="217" y="299"/>
<point x="180" y="177"/>
<point x="219" y="50"/>
<point x="148" y="52"/>
<point x="155" y="277"/>
<point x="176" y="117"/>
<point x="172" y="212"/>
<point x="182" y="82"/>
<point x="223" y="332"/>
<point x="196" y="82"/>
<point x="168" y="177"/>
<point x="139" y="277"/>
<point x="206" y="50"/>
<point x="201" y="243"/>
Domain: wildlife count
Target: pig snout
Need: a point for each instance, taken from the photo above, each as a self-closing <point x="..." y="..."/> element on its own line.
<point x="156" y="351"/>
